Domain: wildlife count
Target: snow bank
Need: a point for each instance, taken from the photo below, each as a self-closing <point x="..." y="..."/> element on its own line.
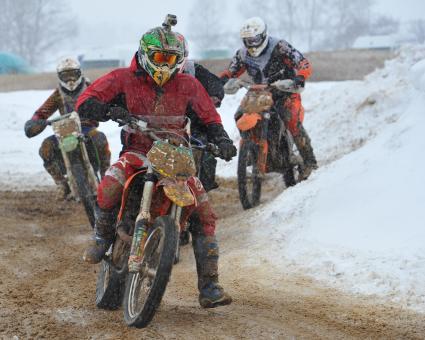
<point x="358" y="222"/>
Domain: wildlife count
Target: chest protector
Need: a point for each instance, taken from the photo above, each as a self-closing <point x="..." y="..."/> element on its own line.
<point x="69" y="99"/>
<point x="255" y="66"/>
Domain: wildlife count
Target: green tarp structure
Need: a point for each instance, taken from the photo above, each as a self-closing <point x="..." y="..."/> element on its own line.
<point x="13" y="64"/>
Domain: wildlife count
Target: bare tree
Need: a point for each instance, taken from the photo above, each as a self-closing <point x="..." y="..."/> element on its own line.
<point x="207" y="26"/>
<point x="417" y="27"/>
<point x="33" y="28"/>
<point x="346" y="21"/>
<point x="383" y="25"/>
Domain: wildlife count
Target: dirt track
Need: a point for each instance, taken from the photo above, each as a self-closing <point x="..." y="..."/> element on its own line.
<point x="48" y="292"/>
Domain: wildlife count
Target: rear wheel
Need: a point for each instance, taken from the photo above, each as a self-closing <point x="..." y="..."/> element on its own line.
<point x="109" y="287"/>
<point x="289" y="173"/>
<point x="249" y="179"/>
<point x="144" y="290"/>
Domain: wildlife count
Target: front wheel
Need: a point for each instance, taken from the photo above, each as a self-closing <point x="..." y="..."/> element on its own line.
<point x="144" y="290"/>
<point x="87" y="197"/>
<point x="249" y="178"/>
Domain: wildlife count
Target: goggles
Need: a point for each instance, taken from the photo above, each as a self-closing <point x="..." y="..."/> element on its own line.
<point x="160" y="58"/>
<point x="69" y="75"/>
<point x="254" y="41"/>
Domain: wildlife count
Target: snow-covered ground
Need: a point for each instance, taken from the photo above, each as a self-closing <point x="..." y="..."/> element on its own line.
<point x="358" y="223"/>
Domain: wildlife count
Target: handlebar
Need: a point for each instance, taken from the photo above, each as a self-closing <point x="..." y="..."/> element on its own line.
<point x="209" y="147"/>
<point x="142" y="126"/>
<point x="53" y="120"/>
<point x="283" y="85"/>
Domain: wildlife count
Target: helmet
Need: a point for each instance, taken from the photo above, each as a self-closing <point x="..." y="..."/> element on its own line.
<point x="161" y="53"/>
<point x="254" y="35"/>
<point x="69" y="73"/>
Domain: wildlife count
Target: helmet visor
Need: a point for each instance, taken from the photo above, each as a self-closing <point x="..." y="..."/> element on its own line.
<point x="254" y="41"/>
<point x="70" y="75"/>
<point x="161" y="58"/>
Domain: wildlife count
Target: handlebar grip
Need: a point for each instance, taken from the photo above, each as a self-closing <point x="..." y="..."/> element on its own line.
<point x="214" y="149"/>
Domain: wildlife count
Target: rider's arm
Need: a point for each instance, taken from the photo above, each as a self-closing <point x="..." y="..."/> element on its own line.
<point x="49" y="107"/>
<point x="37" y="123"/>
<point x="95" y="101"/>
<point x="205" y="110"/>
<point x="210" y="82"/>
<point x="235" y="69"/>
<point x="295" y="59"/>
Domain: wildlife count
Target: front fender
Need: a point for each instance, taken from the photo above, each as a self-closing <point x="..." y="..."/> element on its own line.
<point x="178" y="192"/>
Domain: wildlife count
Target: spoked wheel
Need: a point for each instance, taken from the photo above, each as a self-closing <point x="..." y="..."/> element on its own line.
<point x="249" y="179"/>
<point x="144" y="290"/>
<point x="87" y="197"/>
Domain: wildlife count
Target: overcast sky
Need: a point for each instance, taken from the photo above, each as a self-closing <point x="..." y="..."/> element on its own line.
<point x="123" y="22"/>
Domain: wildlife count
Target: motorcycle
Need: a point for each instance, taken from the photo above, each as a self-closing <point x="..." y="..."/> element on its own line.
<point x="81" y="170"/>
<point x="266" y="144"/>
<point x="137" y="267"/>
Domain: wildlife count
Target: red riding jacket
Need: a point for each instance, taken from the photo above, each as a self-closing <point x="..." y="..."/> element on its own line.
<point x="133" y="89"/>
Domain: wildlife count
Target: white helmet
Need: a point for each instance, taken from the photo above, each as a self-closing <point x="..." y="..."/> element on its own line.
<point x="69" y="73"/>
<point x="254" y="35"/>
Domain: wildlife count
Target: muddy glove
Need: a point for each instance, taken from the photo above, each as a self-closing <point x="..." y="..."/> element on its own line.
<point x="118" y="113"/>
<point x="287" y="85"/>
<point x="227" y="150"/>
<point x="216" y="101"/>
<point x="217" y="135"/>
<point x="34" y="127"/>
<point x="232" y="86"/>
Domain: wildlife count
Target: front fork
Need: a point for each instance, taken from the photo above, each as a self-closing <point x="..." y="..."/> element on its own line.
<point x="140" y="234"/>
<point x="141" y="226"/>
<point x="263" y="143"/>
<point x="91" y="176"/>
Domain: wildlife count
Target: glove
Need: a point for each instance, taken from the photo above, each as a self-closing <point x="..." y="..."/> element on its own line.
<point x="217" y="135"/>
<point x="232" y="86"/>
<point x="34" y="127"/>
<point x="227" y="150"/>
<point x="299" y="81"/>
<point x="216" y="101"/>
<point x="118" y="113"/>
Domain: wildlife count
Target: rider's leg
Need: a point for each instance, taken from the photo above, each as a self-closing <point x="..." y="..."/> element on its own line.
<point x="53" y="163"/>
<point x="102" y="147"/>
<point x="205" y="248"/>
<point x="294" y="120"/>
<point x="108" y="199"/>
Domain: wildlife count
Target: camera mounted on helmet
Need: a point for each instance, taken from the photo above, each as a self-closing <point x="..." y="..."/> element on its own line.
<point x="162" y="51"/>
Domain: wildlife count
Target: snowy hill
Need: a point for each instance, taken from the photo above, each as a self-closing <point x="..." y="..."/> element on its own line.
<point x="358" y="223"/>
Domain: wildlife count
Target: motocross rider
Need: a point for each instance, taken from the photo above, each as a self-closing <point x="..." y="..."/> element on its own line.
<point x="153" y="89"/>
<point x="267" y="60"/>
<point x="214" y="88"/>
<point x="71" y="84"/>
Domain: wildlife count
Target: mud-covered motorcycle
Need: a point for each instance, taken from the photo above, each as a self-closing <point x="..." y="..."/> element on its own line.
<point x="80" y="159"/>
<point x="136" y="269"/>
<point x="266" y="144"/>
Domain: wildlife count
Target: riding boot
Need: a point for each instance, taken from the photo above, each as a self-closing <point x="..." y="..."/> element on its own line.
<point x="303" y="143"/>
<point x="63" y="190"/>
<point x="211" y="294"/>
<point x="103" y="237"/>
